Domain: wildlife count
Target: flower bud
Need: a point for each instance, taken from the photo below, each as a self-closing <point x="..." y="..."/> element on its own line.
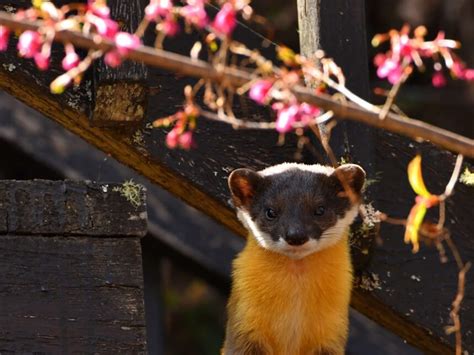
<point x="70" y="60"/>
<point x="4" y="35"/>
<point x="113" y="59"/>
<point x="158" y="8"/>
<point x="60" y="83"/>
<point x="125" y="42"/>
<point x="286" y="117"/>
<point x="29" y="44"/>
<point x="42" y="61"/>
<point x="260" y="90"/>
<point x="225" y="22"/>
<point x="172" y="139"/>
<point x="186" y="140"/>
<point x="438" y="80"/>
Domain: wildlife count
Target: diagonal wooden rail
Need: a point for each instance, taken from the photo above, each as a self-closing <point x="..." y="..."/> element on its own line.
<point x="412" y="128"/>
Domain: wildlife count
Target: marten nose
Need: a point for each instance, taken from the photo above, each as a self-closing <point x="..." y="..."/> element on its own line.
<point x="295" y="236"/>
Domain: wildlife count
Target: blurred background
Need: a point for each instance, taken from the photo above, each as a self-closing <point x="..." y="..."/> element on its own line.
<point x="187" y="265"/>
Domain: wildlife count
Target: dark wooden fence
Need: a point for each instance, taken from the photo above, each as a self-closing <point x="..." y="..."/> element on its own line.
<point x="71" y="277"/>
<point x="409" y="294"/>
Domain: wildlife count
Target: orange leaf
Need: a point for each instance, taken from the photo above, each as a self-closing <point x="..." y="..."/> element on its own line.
<point x="414" y="220"/>
<point x="416" y="178"/>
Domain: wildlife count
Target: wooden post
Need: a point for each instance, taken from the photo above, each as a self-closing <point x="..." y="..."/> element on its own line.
<point x="338" y="28"/>
<point x="120" y="94"/>
<point x="71" y="278"/>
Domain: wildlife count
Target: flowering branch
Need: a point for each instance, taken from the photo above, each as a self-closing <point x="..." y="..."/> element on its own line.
<point x="233" y="77"/>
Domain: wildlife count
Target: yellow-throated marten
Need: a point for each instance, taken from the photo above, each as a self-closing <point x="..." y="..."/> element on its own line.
<point x="292" y="282"/>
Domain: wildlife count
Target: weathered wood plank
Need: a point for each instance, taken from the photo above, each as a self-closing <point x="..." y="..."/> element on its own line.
<point x="71" y="295"/>
<point x="69" y="208"/>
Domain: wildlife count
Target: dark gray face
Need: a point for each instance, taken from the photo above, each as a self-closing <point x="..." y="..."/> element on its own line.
<point x="298" y="205"/>
<point x="296" y="208"/>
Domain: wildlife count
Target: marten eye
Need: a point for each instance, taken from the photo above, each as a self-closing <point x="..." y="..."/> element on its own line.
<point x="270" y="214"/>
<point x="319" y="211"/>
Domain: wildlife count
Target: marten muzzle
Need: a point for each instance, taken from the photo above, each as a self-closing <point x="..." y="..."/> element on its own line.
<point x="296" y="236"/>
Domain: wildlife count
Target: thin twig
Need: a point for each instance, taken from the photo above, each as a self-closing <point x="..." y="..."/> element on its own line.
<point x="456" y="305"/>
<point x="454" y="177"/>
<point x="393" y="94"/>
<point x="244" y="124"/>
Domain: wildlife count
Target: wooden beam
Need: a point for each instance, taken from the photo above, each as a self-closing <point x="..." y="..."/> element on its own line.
<point x="69" y="208"/>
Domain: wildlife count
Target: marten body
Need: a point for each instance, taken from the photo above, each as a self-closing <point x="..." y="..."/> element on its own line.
<point x="292" y="282"/>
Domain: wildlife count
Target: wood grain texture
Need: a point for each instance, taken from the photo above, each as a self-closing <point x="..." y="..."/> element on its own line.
<point x="69" y="208"/>
<point x="417" y="286"/>
<point x="71" y="295"/>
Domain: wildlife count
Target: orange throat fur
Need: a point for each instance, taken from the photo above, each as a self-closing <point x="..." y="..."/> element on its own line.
<point x="280" y="305"/>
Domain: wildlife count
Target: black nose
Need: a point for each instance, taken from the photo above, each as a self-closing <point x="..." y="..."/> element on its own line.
<point x="296" y="237"/>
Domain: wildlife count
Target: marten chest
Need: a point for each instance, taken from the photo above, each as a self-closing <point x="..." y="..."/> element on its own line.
<point x="294" y="306"/>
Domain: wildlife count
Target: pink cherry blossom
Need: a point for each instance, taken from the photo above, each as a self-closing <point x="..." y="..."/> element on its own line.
<point x="438" y="79"/>
<point x="195" y="15"/>
<point x="70" y="60"/>
<point x="186" y="140"/>
<point x="308" y="112"/>
<point x="389" y="69"/>
<point x="126" y="41"/>
<point x="286" y="116"/>
<point x="379" y="59"/>
<point x="113" y="59"/>
<point x="469" y="74"/>
<point x="158" y="8"/>
<point x="99" y="8"/>
<point x="402" y="48"/>
<point x="224" y="22"/>
<point x="395" y="75"/>
<point x="105" y="27"/>
<point x="170" y="26"/>
<point x="260" y="90"/>
<point x="385" y="67"/>
<point x="4" y="35"/>
<point x="29" y="44"/>
<point x="42" y="61"/>
<point x="172" y="138"/>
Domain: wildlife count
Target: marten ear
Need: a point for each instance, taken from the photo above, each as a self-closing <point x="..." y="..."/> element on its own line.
<point x="352" y="175"/>
<point x="243" y="185"/>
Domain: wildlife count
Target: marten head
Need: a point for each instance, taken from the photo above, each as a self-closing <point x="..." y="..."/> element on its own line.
<point x="297" y="209"/>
